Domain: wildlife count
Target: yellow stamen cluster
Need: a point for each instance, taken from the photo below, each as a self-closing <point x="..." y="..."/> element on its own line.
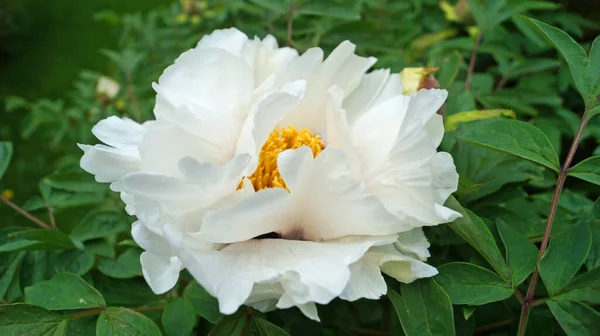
<point x="267" y="174"/>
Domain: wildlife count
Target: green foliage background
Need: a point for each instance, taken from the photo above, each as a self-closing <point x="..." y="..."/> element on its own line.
<point x="536" y="88"/>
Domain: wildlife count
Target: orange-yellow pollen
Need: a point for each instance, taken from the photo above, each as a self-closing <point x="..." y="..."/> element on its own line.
<point x="267" y="174"/>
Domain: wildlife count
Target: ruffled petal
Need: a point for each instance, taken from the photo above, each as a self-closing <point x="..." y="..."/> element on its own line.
<point x="160" y="272"/>
<point x="108" y="164"/>
<point x="231" y="40"/>
<point x="307" y="271"/>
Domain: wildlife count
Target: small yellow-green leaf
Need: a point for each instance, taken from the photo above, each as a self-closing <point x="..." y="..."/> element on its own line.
<point x="451" y="122"/>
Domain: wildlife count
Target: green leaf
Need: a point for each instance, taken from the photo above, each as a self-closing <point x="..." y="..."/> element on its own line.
<point x="593" y="258"/>
<point x="423" y="309"/>
<point x="100" y="247"/>
<point x="521" y="254"/>
<point x="230" y="325"/>
<point x="328" y="9"/>
<point x="205" y="305"/>
<point x="75" y="180"/>
<point x="6" y="149"/>
<point x="130" y="292"/>
<point x="126" y="322"/>
<point x="12" y="103"/>
<point x="9" y="265"/>
<point x="25" y="320"/>
<point x="472" y="285"/>
<point x="64" y="291"/>
<point x="585" y="287"/>
<point x="99" y="224"/>
<point x="37" y="240"/>
<point x="575" y="317"/>
<point x="179" y="317"/>
<point x="529" y="66"/>
<point x="472" y="229"/>
<point x="585" y="69"/>
<point x="555" y="268"/>
<point x="514" y="137"/>
<point x="266" y="328"/>
<point x="277" y="6"/>
<point x="33" y="268"/>
<point x="126" y="266"/>
<point x="587" y="170"/>
<point x="75" y="261"/>
<point x="449" y="68"/>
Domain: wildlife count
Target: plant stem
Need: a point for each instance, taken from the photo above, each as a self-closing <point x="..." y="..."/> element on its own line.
<point x="472" y="62"/>
<point x="50" y="214"/>
<point x="96" y="311"/>
<point x="501" y="83"/>
<point x="249" y="312"/>
<point x="527" y="304"/>
<point x="25" y="213"/>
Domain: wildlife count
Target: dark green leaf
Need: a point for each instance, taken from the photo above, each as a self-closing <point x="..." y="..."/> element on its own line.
<point x="204" y="304"/>
<point x="593" y="258"/>
<point x="267" y="328"/>
<point x="328" y="9"/>
<point x="514" y="137"/>
<point x="77" y="181"/>
<point x="555" y="268"/>
<point x="179" y="317"/>
<point x="25" y="320"/>
<point x="6" y="149"/>
<point x="131" y="292"/>
<point x="473" y="285"/>
<point x="64" y="291"/>
<point x="126" y="322"/>
<point x="575" y="317"/>
<point x="449" y="68"/>
<point x="587" y="170"/>
<point x="472" y="229"/>
<point x="37" y="240"/>
<point x="230" y="325"/>
<point x="521" y="254"/>
<point x="74" y="261"/>
<point x="585" y="69"/>
<point x="277" y="6"/>
<point x="100" y="224"/>
<point x="9" y="265"/>
<point x="100" y="247"/>
<point x="585" y="287"/>
<point x="34" y="268"/>
<point x="423" y="309"/>
<point x="126" y="266"/>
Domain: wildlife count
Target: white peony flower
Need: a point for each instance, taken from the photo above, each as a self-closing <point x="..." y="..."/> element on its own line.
<point x="280" y="180"/>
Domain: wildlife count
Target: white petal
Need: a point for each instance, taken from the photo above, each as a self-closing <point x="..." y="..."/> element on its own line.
<point x="376" y="131"/>
<point x="161" y="272"/>
<point x="424" y="104"/>
<point x="266" y="211"/>
<point x="108" y="164"/>
<point x="310" y="271"/>
<point x="401" y="267"/>
<point x="150" y="241"/>
<point x="446" y="177"/>
<point x="184" y="79"/>
<point x="119" y="133"/>
<point x="365" y="94"/>
<point x="329" y="203"/>
<point x="231" y="40"/>
<point x="366" y="280"/>
<point x="413" y="244"/>
<point x="310" y="310"/>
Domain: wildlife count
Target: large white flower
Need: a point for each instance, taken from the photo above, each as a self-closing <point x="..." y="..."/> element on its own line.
<point x="280" y="180"/>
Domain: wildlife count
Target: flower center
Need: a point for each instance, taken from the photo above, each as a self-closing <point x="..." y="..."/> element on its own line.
<point x="267" y="174"/>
